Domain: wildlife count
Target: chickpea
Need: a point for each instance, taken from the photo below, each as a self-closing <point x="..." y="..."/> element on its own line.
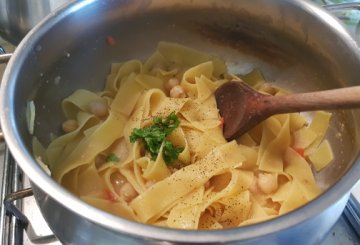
<point x="70" y="125"/>
<point x="117" y="180"/>
<point x="177" y="92"/>
<point x="98" y="108"/>
<point x="267" y="182"/>
<point x="172" y="82"/>
<point x="99" y="160"/>
<point x="149" y="183"/>
<point x="122" y="187"/>
<point x="119" y="148"/>
<point x="254" y="186"/>
<point x="127" y="192"/>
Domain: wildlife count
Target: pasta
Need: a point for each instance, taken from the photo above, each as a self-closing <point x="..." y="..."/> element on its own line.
<point x="193" y="178"/>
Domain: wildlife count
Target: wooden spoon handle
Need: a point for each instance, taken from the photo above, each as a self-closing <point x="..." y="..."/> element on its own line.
<point x="342" y="98"/>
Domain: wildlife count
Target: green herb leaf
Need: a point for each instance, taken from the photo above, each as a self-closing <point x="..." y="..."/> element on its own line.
<point x="170" y="152"/>
<point x="112" y="158"/>
<point x="155" y="135"/>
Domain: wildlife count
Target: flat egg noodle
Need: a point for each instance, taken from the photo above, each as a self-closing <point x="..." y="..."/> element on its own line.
<point x="271" y="159"/>
<point x="89" y="147"/>
<point x="60" y="147"/>
<point x="180" y="183"/>
<point x="212" y="188"/>
<point x="78" y="101"/>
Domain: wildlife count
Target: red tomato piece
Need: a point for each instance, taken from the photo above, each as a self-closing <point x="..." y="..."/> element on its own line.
<point x="300" y="151"/>
<point x="222" y="121"/>
<point x="109" y="196"/>
<point x="110" y="40"/>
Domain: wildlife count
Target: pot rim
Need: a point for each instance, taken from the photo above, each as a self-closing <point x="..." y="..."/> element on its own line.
<point x="73" y="203"/>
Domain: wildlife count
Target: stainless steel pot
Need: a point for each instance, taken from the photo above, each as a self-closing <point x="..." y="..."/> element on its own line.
<point x="296" y="44"/>
<point x="18" y="17"/>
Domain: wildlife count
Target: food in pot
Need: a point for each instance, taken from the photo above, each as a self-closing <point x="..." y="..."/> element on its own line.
<point x="150" y="148"/>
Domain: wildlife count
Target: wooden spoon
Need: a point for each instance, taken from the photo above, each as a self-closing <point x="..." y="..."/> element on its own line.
<point x="243" y="108"/>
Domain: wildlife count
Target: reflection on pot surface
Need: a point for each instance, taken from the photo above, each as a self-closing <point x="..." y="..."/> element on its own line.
<point x="17" y="17"/>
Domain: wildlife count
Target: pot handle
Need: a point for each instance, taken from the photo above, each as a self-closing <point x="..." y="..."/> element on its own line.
<point x="4" y="58"/>
<point x="342" y="6"/>
<point x="340" y="9"/>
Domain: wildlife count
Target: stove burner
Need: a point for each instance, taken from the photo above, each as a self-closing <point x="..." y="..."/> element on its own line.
<point x="2" y="50"/>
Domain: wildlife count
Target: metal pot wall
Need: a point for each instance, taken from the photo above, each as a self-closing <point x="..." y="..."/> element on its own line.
<point x="296" y="44"/>
<point x="18" y="17"/>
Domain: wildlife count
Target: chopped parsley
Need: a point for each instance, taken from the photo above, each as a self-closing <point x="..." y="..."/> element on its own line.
<point x="170" y="152"/>
<point x="154" y="136"/>
<point x="112" y="158"/>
